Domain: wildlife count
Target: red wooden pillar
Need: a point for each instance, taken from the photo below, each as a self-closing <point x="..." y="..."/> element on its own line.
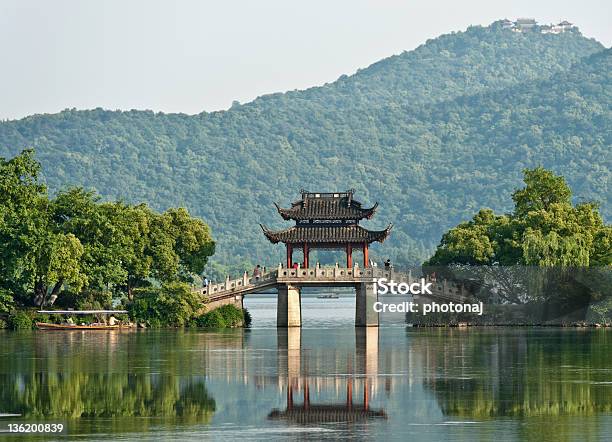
<point x="289" y="256"/>
<point x="306" y="252"/>
<point x="366" y="395"/>
<point x="306" y="395"/>
<point x="349" y="394"/>
<point x="289" y="396"/>
<point x="349" y="255"/>
<point x="366" y="258"/>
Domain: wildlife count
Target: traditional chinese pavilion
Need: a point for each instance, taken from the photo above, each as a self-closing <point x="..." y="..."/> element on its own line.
<point x="327" y="221"/>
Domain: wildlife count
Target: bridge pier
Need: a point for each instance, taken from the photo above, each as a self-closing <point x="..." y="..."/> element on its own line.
<point x="289" y="306"/>
<point x="366" y="296"/>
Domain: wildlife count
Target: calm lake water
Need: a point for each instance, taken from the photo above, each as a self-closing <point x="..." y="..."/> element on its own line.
<point x="327" y="381"/>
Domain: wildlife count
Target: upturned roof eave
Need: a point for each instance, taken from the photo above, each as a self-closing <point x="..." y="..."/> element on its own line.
<point x="295" y="213"/>
<point x="276" y="236"/>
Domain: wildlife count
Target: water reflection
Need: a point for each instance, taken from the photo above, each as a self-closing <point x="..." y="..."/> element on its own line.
<point x="485" y="375"/>
<point x="294" y="377"/>
<point x="329" y="383"/>
<point x="85" y="395"/>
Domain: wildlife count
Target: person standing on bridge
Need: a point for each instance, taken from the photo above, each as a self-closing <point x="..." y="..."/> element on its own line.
<point x="257" y="272"/>
<point x="205" y="281"/>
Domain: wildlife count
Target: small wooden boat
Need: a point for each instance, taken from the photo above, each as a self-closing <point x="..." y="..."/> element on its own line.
<point x="50" y="326"/>
<point x="328" y="297"/>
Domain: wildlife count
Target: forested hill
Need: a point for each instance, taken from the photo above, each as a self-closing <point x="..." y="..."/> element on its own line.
<point x="432" y="134"/>
<point x="453" y="65"/>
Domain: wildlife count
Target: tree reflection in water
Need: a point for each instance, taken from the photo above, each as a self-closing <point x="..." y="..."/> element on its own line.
<point x="487" y="375"/>
<point x="103" y="375"/>
<point x="89" y="395"/>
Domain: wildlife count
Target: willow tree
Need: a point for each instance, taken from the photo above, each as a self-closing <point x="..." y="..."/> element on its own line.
<point x="546" y="251"/>
<point x="545" y="229"/>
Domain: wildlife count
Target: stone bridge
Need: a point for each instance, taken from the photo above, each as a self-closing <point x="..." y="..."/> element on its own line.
<point x="288" y="282"/>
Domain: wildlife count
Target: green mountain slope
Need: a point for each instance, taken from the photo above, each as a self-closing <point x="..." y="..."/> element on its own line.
<point x="453" y="65"/>
<point x="432" y="134"/>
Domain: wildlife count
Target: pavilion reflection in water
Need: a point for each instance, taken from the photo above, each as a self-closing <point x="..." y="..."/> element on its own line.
<point x="355" y="387"/>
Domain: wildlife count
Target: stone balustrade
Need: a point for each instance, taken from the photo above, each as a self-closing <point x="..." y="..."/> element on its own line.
<point x="321" y="276"/>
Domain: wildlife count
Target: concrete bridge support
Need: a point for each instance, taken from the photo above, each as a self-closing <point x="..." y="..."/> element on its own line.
<point x="289" y="306"/>
<point x="365" y="316"/>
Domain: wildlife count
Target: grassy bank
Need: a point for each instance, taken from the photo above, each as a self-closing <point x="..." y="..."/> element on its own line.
<point x="227" y="316"/>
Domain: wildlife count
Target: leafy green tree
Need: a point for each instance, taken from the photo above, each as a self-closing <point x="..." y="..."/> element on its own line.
<point x="58" y="262"/>
<point x="23" y="224"/>
<point x="543" y="188"/>
<point x="7" y="302"/>
<point x="193" y="243"/>
<point x="100" y="229"/>
<point x="544" y="230"/>
<point x="468" y="243"/>
<point x="180" y="245"/>
<point x="79" y="244"/>
<point x="172" y="304"/>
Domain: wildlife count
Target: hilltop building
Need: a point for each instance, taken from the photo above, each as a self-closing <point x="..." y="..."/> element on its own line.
<point x="531" y="25"/>
<point x="559" y="28"/>
<point x="524" y="24"/>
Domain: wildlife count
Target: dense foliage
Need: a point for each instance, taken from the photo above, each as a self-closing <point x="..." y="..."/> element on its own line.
<point x="432" y="134"/>
<point x="545" y="229"/>
<point x="548" y="254"/>
<point x="20" y="320"/>
<point x="83" y="252"/>
<point x="171" y="304"/>
<point x="226" y="316"/>
<point x="176" y="305"/>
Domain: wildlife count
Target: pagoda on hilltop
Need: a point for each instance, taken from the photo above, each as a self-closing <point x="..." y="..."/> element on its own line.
<point x="327" y="221"/>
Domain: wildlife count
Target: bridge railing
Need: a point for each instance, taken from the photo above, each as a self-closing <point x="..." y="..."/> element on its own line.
<point x="314" y="273"/>
<point x="233" y="284"/>
<point x="326" y="274"/>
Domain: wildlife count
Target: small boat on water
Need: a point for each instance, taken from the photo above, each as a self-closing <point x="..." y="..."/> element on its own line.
<point x="328" y="296"/>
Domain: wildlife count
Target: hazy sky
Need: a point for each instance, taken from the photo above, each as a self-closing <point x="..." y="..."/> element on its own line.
<point x="194" y="55"/>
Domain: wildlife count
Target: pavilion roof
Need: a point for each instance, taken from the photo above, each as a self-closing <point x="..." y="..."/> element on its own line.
<point x="327" y="206"/>
<point x="326" y="234"/>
